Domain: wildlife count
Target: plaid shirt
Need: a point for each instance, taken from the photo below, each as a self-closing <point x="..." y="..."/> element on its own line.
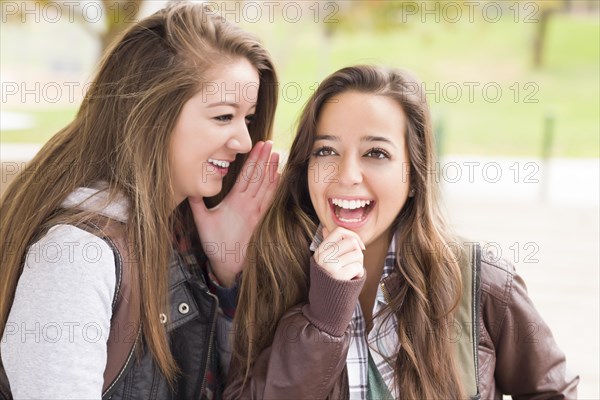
<point x="383" y="343"/>
<point x="382" y="340"/>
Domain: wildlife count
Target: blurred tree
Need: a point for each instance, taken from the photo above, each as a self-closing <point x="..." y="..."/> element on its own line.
<point x="121" y="14"/>
<point x="384" y="15"/>
<point x="545" y="9"/>
<point x="381" y="15"/>
<point x="115" y="15"/>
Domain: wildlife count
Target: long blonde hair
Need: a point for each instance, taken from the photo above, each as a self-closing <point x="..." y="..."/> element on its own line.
<point x="121" y="136"/>
<point x="276" y="277"/>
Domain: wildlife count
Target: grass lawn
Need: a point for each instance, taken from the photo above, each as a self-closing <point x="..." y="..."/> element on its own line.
<point x="47" y="123"/>
<point x="482" y="88"/>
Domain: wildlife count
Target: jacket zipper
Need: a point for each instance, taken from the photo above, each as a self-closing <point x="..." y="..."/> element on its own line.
<point x="475" y="312"/>
<point x="210" y="341"/>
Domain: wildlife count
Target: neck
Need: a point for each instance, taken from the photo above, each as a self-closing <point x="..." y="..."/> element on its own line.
<point x="374" y="258"/>
<point x="375" y="254"/>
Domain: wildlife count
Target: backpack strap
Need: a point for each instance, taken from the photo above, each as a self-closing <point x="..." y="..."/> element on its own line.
<point x="4" y="385"/>
<point x="125" y="324"/>
<point x="467" y="317"/>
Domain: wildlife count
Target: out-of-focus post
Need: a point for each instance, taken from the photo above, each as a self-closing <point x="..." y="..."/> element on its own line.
<point x="547" y="142"/>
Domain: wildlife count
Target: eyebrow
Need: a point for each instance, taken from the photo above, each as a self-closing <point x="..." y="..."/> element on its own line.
<point x="228" y="103"/>
<point x="369" y="138"/>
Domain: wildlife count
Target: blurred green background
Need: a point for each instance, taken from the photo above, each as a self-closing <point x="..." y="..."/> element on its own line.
<point x="510" y="82"/>
<point x="494" y="70"/>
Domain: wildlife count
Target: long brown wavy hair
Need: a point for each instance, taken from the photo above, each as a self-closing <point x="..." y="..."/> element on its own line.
<point x="121" y="136"/>
<point x="277" y="277"/>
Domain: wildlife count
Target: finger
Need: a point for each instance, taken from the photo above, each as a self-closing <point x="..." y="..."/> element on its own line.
<point x="338" y="254"/>
<point x="270" y="183"/>
<point x="349" y="272"/>
<point x="333" y="264"/>
<point x="338" y="249"/>
<point x="274" y="166"/>
<point x="340" y="233"/>
<point x="348" y="234"/>
<point x="249" y="167"/>
<point x="269" y="193"/>
<point x="261" y="173"/>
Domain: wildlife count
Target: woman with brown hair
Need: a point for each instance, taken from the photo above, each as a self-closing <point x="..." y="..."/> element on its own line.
<point x="121" y="240"/>
<point x="356" y="288"/>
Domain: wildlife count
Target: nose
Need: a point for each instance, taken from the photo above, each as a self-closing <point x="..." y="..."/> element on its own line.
<point x="240" y="142"/>
<point x="349" y="172"/>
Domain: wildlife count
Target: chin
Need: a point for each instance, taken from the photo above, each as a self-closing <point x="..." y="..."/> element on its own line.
<point x="211" y="191"/>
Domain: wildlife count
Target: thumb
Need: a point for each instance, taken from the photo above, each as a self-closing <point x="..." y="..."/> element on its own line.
<point x="325" y="232"/>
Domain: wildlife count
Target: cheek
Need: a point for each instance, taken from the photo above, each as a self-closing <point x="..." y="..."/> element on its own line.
<point x="173" y="156"/>
<point x="313" y="191"/>
<point x="316" y="189"/>
<point x="392" y="197"/>
<point x="394" y="202"/>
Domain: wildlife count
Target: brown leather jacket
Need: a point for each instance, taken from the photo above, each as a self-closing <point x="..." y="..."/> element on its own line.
<point x="517" y="353"/>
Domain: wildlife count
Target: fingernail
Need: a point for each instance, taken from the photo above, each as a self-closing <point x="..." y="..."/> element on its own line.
<point x="362" y="245"/>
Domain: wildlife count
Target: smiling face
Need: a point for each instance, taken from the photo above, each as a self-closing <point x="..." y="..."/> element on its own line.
<point x="358" y="168"/>
<point x="212" y="129"/>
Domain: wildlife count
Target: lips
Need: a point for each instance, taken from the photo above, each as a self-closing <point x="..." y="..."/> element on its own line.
<point x="219" y="163"/>
<point x="221" y="166"/>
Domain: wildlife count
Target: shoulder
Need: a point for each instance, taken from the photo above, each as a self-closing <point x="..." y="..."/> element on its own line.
<point x="69" y="259"/>
<point x="497" y="276"/>
<point x="72" y="245"/>
<point x="61" y="309"/>
<point x="504" y="299"/>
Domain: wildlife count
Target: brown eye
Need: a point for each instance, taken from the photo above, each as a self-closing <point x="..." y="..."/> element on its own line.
<point x="324" y="152"/>
<point x="224" y="118"/>
<point x="378" y="153"/>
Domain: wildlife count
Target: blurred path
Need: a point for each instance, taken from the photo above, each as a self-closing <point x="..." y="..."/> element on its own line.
<point x="554" y="244"/>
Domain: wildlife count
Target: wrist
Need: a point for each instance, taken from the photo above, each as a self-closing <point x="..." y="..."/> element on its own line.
<point x="331" y="302"/>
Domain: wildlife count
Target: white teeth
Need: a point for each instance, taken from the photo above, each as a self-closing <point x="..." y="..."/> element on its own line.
<point x="350" y="204"/>
<point x="349" y="220"/>
<point x="219" y="163"/>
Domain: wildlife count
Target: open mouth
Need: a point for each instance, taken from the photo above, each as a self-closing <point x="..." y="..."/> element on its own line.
<point x="222" y="166"/>
<point x="352" y="211"/>
<point x="219" y="163"/>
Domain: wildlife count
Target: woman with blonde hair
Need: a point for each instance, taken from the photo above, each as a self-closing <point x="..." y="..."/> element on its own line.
<point x="122" y="239"/>
<point x="356" y="288"/>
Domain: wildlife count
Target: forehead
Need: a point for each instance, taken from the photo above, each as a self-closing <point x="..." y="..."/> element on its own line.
<point x="354" y="115"/>
<point x="236" y="81"/>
